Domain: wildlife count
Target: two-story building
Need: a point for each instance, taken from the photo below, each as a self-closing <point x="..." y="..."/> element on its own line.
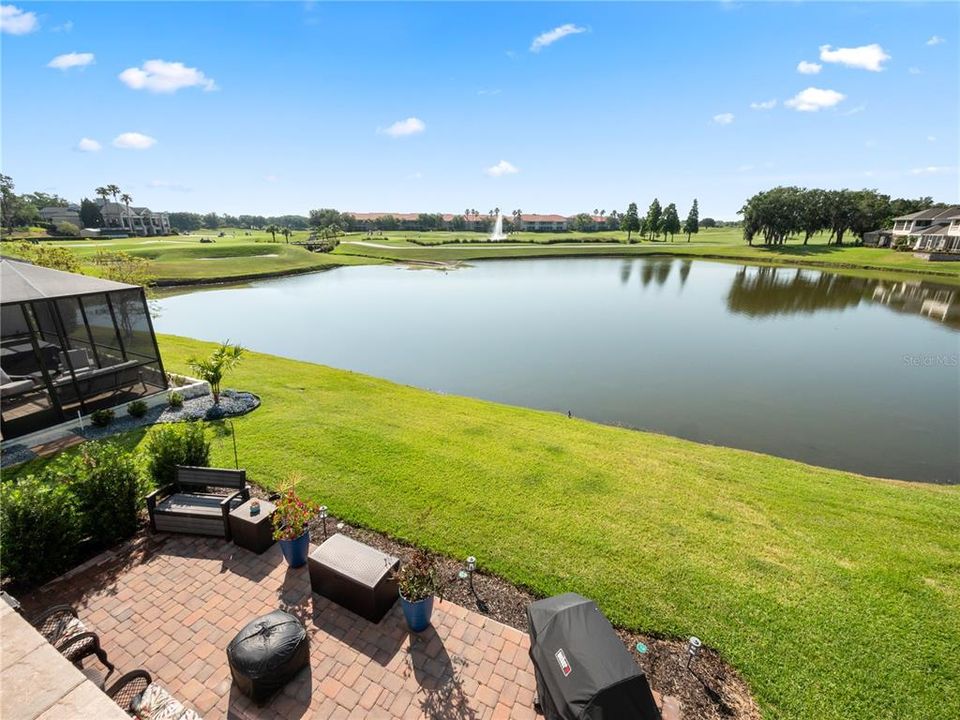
<point x="932" y="231"/>
<point x="135" y="220"/>
<point x="57" y="213"/>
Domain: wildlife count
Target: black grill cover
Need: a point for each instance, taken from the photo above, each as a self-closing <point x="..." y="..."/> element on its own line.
<point x="267" y="653"/>
<point x="583" y="669"/>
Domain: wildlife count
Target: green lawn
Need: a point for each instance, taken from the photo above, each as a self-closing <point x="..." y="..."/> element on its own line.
<point x="836" y="595"/>
<point x="720" y="243"/>
<point x="239" y="254"/>
<point x="244" y="254"/>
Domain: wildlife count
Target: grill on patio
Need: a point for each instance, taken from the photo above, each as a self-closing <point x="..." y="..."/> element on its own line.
<point x="583" y="670"/>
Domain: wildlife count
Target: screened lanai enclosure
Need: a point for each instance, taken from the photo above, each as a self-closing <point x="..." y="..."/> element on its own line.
<point x="69" y="345"/>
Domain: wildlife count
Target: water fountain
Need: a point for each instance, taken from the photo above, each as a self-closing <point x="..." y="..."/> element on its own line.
<point x="498" y="233"/>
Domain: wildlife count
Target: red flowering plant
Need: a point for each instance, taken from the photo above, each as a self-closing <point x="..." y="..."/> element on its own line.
<point x="293" y="514"/>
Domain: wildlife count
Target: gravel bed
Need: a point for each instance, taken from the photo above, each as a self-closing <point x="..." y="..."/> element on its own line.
<point x="232" y="404"/>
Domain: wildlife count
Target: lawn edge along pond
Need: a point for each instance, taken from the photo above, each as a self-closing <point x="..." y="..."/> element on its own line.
<point x="834" y="594"/>
<point x="243" y="255"/>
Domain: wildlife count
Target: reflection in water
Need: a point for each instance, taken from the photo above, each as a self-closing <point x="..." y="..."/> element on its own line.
<point x="766" y="291"/>
<point x="713" y="352"/>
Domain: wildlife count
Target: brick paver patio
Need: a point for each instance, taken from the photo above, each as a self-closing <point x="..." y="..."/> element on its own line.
<point x="174" y="610"/>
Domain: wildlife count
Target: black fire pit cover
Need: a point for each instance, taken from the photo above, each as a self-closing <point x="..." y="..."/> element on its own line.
<point x="583" y="669"/>
<point x="267" y="653"/>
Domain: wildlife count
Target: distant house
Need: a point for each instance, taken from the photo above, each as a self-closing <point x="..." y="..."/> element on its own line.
<point x="544" y="223"/>
<point x="135" y="220"/>
<point x="56" y="214"/>
<point x="932" y="231"/>
<point x="479" y="223"/>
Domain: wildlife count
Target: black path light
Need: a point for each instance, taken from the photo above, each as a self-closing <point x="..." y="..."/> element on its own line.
<point x="468" y="576"/>
<point x="323" y="519"/>
<point x="693" y="649"/>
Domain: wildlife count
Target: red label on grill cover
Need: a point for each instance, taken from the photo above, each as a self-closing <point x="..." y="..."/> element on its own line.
<point x="562" y="660"/>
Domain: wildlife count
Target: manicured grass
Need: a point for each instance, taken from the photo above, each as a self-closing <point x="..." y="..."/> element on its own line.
<point x="721" y="243"/>
<point x="183" y="258"/>
<point x="243" y="254"/>
<point x="836" y="595"/>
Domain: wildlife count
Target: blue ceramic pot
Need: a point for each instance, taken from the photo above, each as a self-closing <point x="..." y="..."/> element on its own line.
<point x="417" y="613"/>
<point x="295" y="551"/>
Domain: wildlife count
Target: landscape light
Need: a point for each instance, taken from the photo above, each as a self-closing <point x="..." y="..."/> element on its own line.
<point x="468" y="574"/>
<point x="323" y="517"/>
<point x="693" y="648"/>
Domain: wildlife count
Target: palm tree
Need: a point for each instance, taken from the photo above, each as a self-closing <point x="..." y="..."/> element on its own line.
<point x="212" y="369"/>
<point x="113" y="190"/>
<point x="517" y="219"/>
<point x="596" y="211"/>
<point x="273" y="230"/>
<point x="102" y="192"/>
<point x="126" y="201"/>
<point x="286" y="232"/>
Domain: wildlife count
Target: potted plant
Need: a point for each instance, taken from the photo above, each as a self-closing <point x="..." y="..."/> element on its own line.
<point x="290" y="526"/>
<point x="418" y="580"/>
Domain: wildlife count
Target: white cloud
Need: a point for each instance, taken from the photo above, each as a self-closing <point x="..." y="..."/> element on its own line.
<point x="492" y="91"/>
<point x="813" y="99"/>
<point x="64" y="28"/>
<point x="934" y="170"/>
<point x="763" y="105"/>
<point x="71" y="60"/>
<point x="403" y="128"/>
<point x="15" y="21"/>
<point x="165" y="185"/>
<point x="935" y="40"/>
<point x="415" y="176"/>
<point x="88" y="145"/>
<point x="855" y="110"/>
<point x="866" y="57"/>
<point x="271" y="178"/>
<point x="914" y="71"/>
<point x="160" y="76"/>
<point x="931" y="138"/>
<point x="808" y="68"/>
<point x="723" y="118"/>
<point x="502" y="168"/>
<point x="551" y="36"/>
<point x="133" y="141"/>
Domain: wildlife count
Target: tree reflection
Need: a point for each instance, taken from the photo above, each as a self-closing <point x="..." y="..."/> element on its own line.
<point x="768" y="291"/>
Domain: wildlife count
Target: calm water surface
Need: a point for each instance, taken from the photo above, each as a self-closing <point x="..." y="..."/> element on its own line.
<point x="836" y="371"/>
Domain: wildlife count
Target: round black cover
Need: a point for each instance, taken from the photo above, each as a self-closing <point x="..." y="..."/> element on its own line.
<point x="583" y="669"/>
<point x="267" y="653"/>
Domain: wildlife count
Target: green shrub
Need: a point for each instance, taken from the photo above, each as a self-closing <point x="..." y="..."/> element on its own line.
<point x="108" y="486"/>
<point x="176" y="444"/>
<point x="40" y="529"/>
<point x="102" y="418"/>
<point x="66" y="229"/>
<point x="175" y="400"/>
<point x="137" y="409"/>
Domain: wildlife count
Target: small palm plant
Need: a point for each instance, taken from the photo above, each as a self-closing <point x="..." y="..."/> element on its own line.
<point x="212" y="369"/>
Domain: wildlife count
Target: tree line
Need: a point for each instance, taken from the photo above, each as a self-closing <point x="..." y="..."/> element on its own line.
<point x="661" y="220"/>
<point x="784" y="212"/>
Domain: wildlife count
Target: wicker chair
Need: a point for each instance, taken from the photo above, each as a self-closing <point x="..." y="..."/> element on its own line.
<point x="61" y="627"/>
<point x="139" y="697"/>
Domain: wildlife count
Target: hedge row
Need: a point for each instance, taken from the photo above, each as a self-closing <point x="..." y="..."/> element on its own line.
<point x="88" y="500"/>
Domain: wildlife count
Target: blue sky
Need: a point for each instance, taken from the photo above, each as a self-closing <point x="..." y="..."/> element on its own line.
<point x="270" y="108"/>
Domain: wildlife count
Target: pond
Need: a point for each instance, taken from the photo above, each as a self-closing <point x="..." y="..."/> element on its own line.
<point x="844" y="372"/>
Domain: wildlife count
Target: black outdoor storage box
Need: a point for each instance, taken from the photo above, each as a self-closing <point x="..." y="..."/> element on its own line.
<point x="583" y="669"/>
<point x="267" y="653"/>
